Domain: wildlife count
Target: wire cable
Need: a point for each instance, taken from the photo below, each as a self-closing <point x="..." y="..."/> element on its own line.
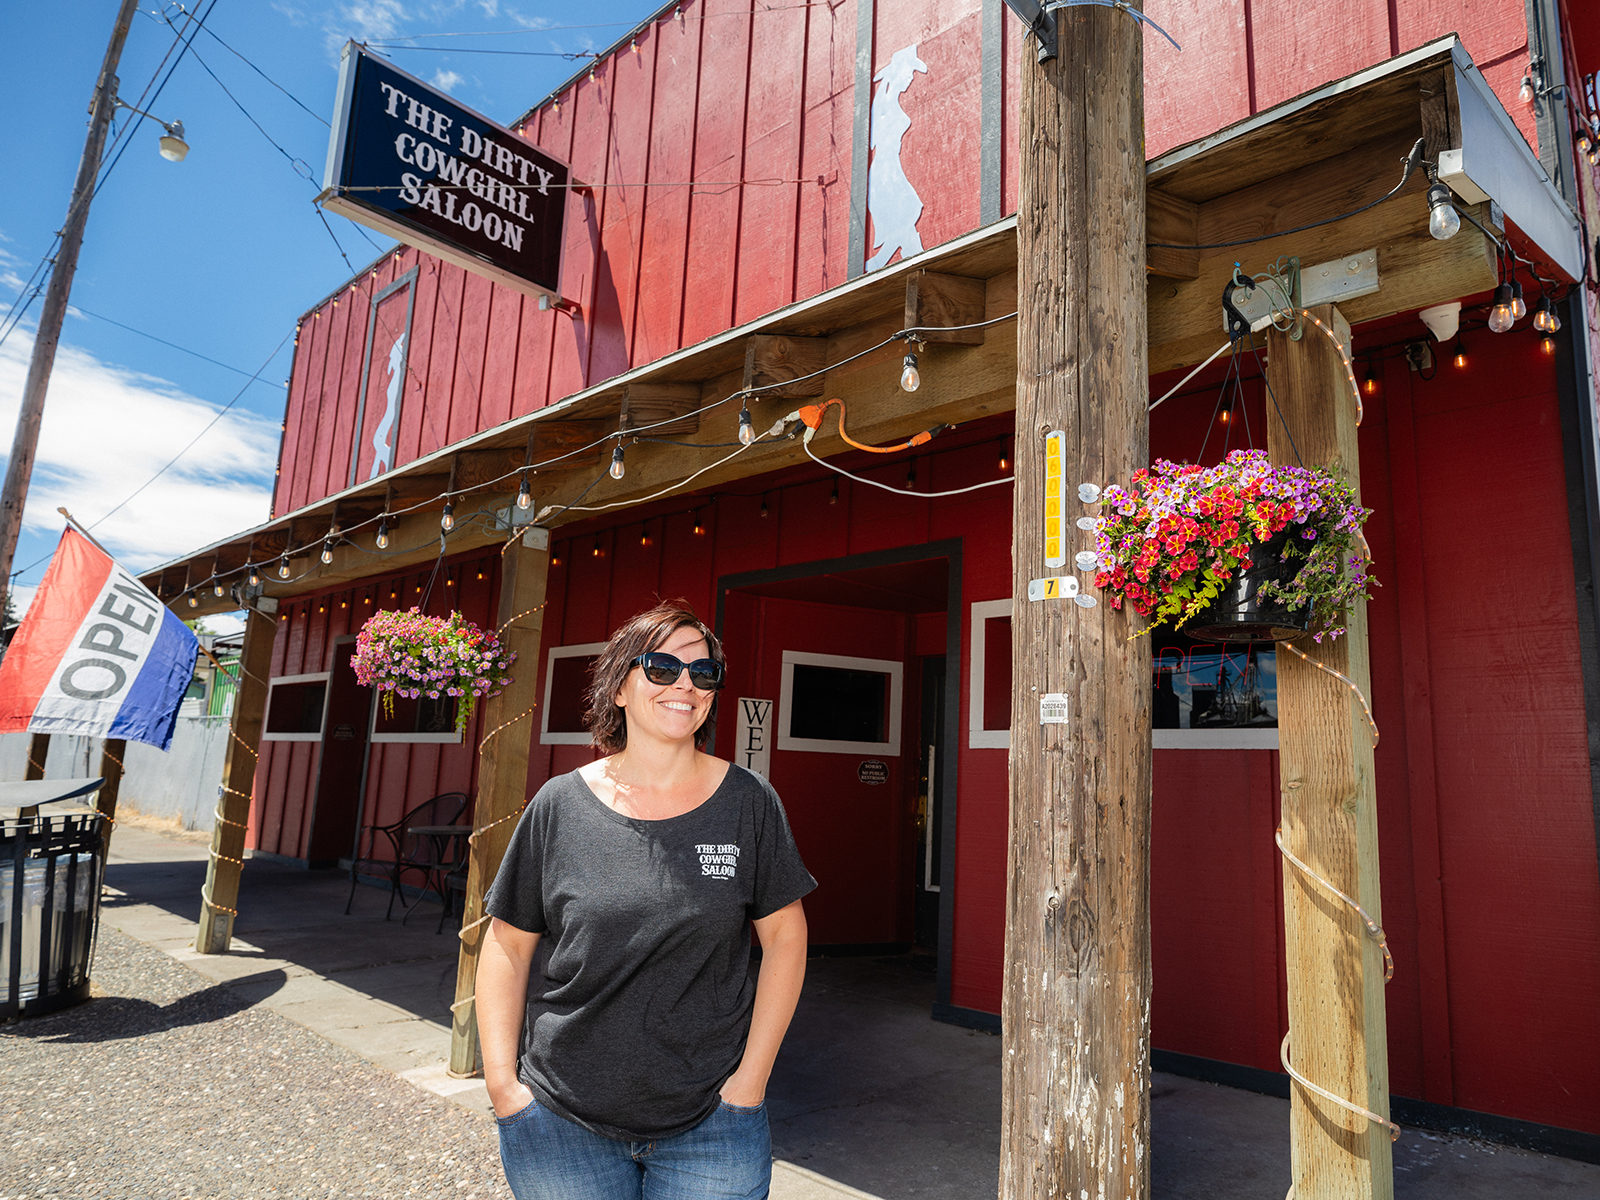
<point x="902" y="491"/>
<point x="175" y="346"/>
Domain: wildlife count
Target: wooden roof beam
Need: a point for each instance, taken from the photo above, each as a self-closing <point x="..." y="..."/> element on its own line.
<point x="1414" y="269"/>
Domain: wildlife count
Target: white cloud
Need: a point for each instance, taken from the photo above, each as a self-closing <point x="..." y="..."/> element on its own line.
<point x="366" y="20"/>
<point x="529" y="22"/>
<point x="447" y="81"/>
<point x="107" y="430"/>
<point x="490" y="7"/>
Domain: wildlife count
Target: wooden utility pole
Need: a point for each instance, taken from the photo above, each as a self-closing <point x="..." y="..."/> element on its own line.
<point x="1330" y="823"/>
<point x="29" y="417"/>
<point x="503" y="772"/>
<point x="1076" y="1099"/>
<point x="220" y="898"/>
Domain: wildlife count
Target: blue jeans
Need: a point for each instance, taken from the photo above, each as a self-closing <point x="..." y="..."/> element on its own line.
<point x="728" y="1156"/>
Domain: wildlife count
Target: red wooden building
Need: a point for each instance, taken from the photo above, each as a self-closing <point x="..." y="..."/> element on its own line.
<point x="762" y="185"/>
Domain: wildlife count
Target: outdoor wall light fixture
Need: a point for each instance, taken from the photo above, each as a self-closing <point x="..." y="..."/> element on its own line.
<point x="1544" y="316"/>
<point x="618" y="468"/>
<point x="1444" y="222"/>
<point x="1500" y="316"/>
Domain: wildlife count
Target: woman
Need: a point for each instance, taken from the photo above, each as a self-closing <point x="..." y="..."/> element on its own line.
<point x="643" y="1067"/>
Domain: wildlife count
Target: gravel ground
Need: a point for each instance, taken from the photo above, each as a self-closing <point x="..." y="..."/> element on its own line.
<point x="167" y="1087"/>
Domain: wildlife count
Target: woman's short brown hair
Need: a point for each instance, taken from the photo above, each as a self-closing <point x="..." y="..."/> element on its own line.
<point x="640" y="635"/>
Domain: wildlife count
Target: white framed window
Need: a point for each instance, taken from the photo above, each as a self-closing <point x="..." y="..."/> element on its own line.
<point x="419" y="720"/>
<point x="566" y="690"/>
<point x="989" y="689"/>
<point x="297" y="705"/>
<point x="989" y="681"/>
<point x="835" y="704"/>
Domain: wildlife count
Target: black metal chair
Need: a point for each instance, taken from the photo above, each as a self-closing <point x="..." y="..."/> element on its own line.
<point x="455" y="881"/>
<point x="411" y="852"/>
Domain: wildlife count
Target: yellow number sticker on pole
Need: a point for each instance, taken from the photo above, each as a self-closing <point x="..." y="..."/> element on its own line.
<point x="1055" y="520"/>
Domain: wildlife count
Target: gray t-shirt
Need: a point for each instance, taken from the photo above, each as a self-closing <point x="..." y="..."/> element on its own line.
<point x="639" y="999"/>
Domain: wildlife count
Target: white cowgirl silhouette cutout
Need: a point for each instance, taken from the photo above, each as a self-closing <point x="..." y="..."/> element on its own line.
<point x="382" y="436"/>
<point x="892" y="201"/>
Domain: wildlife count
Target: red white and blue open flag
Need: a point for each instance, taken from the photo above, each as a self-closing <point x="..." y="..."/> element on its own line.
<point x="97" y="654"/>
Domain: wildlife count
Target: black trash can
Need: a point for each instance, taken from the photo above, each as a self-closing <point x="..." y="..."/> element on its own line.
<point x="50" y="873"/>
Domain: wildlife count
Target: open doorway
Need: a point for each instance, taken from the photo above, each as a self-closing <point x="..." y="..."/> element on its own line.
<point x="342" y="767"/>
<point x="837" y="693"/>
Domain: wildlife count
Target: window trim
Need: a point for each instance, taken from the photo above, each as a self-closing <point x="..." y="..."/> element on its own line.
<point x="435" y="739"/>
<point x="884" y="666"/>
<point x="322" y="677"/>
<point x="576" y="650"/>
<point x="979" y="738"/>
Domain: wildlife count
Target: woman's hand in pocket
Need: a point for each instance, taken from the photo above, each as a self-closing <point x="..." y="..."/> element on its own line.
<point x="511" y="1099"/>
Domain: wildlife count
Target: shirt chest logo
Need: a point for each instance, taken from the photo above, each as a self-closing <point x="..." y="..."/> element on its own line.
<point x="718" y="861"/>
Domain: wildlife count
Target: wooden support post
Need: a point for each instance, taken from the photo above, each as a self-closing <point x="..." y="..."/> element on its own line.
<point x="1075" y="1009"/>
<point x="503" y="771"/>
<point x="220" y="897"/>
<point x="38" y="754"/>
<point x="111" y="752"/>
<point x="1336" y="1013"/>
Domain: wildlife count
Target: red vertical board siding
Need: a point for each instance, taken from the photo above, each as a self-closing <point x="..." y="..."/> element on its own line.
<point x="315" y="395"/>
<point x="944" y="107"/>
<point x="1176" y="110"/>
<point x="581" y="256"/>
<point x="466" y="395"/>
<point x="1017" y="43"/>
<point x="500" y="356"/>
<point x="632" y="77"/>
<point x="663" y="236"/>
<point x="1294" y="55"/>
<point x="340" y="434"/>
<point x="442" y="358"/>
<point x="714" y="232"/>
<point x="823" y="238"/>
<point x="330" y="409"/>
<point x="1495" y="33"/>
<point x="775" y="113"/>
<point x="1516" y="820"/>
<point x="293" y="422"/>
<point x="408" y="438"/>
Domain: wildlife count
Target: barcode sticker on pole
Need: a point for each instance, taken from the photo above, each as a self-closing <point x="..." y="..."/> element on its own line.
<point x="1055" y="518"/>
<point x="1053" y="708"/>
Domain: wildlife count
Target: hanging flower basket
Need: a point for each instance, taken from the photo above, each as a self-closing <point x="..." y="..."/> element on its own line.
<point x="411" y="655"/>
<point x="1245" y="550"/>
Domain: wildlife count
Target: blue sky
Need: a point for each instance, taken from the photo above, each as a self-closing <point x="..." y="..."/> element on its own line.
<point x="220" y="253"/>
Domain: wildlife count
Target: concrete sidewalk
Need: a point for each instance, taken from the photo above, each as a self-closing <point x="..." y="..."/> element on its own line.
<point x="871" y="1098"/>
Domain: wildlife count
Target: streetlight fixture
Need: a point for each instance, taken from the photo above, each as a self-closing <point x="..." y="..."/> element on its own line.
<point x="173" y="147"/>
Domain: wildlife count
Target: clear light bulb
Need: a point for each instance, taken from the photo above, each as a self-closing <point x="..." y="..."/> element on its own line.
<point x="1500" y="318"/>
<point x="1519" y="306"/>
<point x="910" y="377"/>
<point x="1370" y="384"/>
<point x="1584" y="143"/>
<point x="747" y="431"/>
<point x="618" y="467"/>
<point x="283" y="567"/>
<point x="524" y="494"/>
<point x="1443" y="220"/>
<point x="1594" y="155"/>
<point x="194" y="601"/>
<point x="1547" y="344"/>
<point x="1525" y="92"/>
<point x="1545" y="319"/>
<point x="1460" y="354"/>
<point x="447" y="519"/>
<point x="327" y="551"/>
<point x="382" y="539"/>
<point x="254" y="575"/>
<point x="218" y="590"/>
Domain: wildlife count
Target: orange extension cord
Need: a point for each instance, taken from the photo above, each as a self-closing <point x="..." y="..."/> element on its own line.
<point x="811" y="416"/>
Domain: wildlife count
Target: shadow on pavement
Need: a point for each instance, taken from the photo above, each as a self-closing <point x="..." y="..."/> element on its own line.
<point x="117" y="1018"/>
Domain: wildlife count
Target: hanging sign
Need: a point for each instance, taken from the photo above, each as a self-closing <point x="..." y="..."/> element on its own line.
<point x="1055" y="519"/>
<point x="408" y="161"/>
<point x="752" y="748"/>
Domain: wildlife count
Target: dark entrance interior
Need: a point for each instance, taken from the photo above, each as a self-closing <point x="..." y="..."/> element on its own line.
<point x="845" y="662"/>
<point x="337" y="806"/>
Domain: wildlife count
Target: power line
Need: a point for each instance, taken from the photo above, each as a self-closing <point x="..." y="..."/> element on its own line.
<point x="268" y="78"/>
<point x="173" y="345"/>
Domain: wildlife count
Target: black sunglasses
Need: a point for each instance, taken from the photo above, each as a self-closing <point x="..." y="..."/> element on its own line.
<point x="664" y="669"/>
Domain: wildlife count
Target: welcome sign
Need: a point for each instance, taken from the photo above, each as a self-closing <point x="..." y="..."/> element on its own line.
<point x="408" y="161"/>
